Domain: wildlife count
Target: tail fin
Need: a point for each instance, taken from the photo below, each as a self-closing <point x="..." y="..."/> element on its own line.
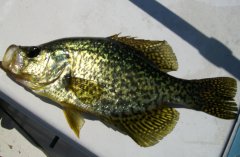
<point x="215" y="96"/>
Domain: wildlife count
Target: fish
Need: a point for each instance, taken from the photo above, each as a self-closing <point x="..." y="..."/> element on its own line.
<point x="123" y="81"/>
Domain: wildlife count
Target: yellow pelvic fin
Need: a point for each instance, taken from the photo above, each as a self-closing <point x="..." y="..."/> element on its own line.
<point x="148" y="128"/>
<point x="159" y="52"/>
<point x="87" y="91"/>
<point x="74" y="119"/>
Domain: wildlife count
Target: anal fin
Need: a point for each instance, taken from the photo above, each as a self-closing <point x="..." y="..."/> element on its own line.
<point x="148" y="128"/>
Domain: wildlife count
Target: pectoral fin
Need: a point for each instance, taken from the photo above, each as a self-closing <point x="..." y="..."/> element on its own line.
<point x="87" y="91"/>
<point x="148" y="128"/>
<point x="159" y="52"/>
<point x="74" y="119"/>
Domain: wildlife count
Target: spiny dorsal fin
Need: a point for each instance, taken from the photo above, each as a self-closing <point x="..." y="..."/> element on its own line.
<point x="159" y="52"/>
<point x="148" y="128"/>
<point x="87" y="91"/>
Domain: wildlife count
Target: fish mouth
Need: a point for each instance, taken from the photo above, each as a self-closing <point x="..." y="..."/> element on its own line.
<point x="12" y="60"/>
<point x="23" y="79"/>
<point x="12" y="63"/>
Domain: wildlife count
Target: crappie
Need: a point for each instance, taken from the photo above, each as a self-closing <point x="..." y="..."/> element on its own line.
<point x="121" y="80"/>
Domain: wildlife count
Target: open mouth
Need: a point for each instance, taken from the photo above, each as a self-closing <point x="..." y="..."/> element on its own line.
<point x="12" y="63"/>
<point x="9" y="55"/>
<point x="12" y="60"/>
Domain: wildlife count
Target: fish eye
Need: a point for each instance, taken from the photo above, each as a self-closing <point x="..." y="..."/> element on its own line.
<point x="33" y="52"/>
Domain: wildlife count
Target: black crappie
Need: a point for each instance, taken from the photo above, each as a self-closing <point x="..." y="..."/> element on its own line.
<point x="121" y="80"/>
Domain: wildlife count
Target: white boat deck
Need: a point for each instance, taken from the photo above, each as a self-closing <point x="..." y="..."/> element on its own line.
<point x="204" y="35"/>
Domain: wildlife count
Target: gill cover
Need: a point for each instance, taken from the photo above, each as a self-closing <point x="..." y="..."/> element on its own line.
<point x="34" y="66"/>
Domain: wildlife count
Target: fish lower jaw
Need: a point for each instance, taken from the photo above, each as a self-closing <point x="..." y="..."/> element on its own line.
<point x="26" y="83"/>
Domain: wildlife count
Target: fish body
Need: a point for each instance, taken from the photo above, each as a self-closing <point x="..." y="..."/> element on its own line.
<point x="121" y="80"/>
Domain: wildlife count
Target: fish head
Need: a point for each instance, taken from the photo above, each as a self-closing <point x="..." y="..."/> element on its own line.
<point x="33" y="66"/>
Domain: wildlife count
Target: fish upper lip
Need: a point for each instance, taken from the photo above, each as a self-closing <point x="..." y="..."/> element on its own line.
<point x="8" y="56"/>
<point x="12" y="60"/>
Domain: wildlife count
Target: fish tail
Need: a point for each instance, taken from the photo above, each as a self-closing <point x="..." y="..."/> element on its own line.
<point x="214" y="96"/>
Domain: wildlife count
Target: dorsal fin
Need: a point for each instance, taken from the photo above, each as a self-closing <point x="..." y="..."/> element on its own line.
<point x="159" y="52"/>
<point x="148" y="128"/>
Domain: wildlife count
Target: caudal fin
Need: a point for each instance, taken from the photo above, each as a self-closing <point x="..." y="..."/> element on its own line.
<point x="215" y="96"/>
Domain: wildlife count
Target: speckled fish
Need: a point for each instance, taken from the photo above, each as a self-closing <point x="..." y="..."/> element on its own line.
<point x="123" y="81"/>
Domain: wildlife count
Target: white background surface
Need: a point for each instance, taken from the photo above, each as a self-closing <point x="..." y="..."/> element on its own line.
<point x="25" y="22"/>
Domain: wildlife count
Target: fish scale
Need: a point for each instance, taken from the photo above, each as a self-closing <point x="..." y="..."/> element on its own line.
<point x="106" y="73"/>
<point x="123" y="81"/>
